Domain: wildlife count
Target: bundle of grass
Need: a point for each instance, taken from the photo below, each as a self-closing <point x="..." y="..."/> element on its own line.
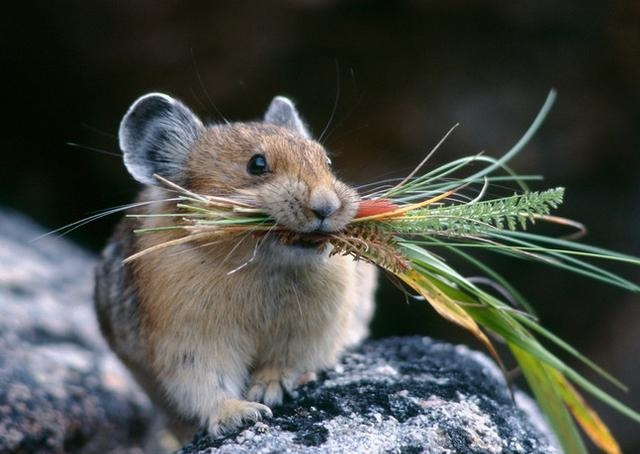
<point x="402" y="228"/>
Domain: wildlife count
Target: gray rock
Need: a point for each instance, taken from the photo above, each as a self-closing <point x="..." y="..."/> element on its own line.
<point x="402" y="395"/>
<point x="61" y="389"/>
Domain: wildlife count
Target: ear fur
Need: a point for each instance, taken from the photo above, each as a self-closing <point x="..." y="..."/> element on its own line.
<point x="282" y="112"/>
<point x="156" y="136"/>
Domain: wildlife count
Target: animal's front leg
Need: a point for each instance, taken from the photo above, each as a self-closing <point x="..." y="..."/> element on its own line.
<point x="208" y="383"/>
<point x="214" y="397"/>
<point x="231" y="414"/>
<point x="269" y="384"/>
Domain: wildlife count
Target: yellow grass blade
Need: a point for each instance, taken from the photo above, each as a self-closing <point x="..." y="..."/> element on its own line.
<point x="588" y="419"/>
<point x="548" y="396"/>
<point x="447" y="307"/>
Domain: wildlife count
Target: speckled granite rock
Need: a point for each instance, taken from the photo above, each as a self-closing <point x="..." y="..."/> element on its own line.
<point x="404" y="395"/>
<point x="61" y="390"/>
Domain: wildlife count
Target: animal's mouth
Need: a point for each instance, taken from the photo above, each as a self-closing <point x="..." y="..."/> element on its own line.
<point x="313" y="240"/>
<point x="307" y="244"/>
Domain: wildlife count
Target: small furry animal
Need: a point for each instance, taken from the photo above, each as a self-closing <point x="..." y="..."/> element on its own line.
<point x="217" y="333"/>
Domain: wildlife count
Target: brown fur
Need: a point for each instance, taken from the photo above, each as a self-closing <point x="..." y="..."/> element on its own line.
<point x="205" y="326"/>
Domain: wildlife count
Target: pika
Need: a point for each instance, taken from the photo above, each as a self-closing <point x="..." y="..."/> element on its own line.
<point x="218" y="333"/>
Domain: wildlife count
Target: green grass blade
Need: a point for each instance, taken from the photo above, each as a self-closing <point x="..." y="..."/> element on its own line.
<point x="490" y="313"/>
<point x="533" y="325"/>
<point x="492" y="274"/>
<point x="569" y="263"/>
<point x="550" y="401"/>
<point x="597" y="252"/>
<point x="524" y="140"/>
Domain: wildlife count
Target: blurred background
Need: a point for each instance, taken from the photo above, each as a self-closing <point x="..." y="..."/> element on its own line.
<point x="399" y="75"/>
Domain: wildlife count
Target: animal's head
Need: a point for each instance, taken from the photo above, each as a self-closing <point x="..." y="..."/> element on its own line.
<point x="274" y="163"/>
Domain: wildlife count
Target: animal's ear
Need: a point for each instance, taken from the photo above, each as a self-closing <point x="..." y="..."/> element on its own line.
<point x="156" y="136"/>
<point x="282" y="112"/>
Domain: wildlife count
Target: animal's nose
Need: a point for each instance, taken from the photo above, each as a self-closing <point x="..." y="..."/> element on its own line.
<point x="324" y="211"/>
<point x="323" y="203"/>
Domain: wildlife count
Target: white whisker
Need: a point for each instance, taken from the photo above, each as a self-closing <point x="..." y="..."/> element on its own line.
<point x="68" y="228"/>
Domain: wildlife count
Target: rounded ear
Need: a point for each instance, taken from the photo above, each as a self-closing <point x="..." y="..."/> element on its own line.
<point x="282" y="112"/>
<point x="156" y="136"/>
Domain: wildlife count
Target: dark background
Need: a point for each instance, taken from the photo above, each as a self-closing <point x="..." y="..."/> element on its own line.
<point x="402" y="74"/>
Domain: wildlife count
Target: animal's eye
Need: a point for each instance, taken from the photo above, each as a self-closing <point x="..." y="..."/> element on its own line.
<point x="257" y="165"/>
<point x="328" y="161"/>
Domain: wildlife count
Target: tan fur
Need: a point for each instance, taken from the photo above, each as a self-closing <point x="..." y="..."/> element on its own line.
<point x="218" y="323"/>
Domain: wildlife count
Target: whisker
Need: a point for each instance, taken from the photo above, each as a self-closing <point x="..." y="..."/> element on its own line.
<point x="94" y="149"/>
<point x="68" y="228"/>
<point x="245" y="264"/>
<point x="99" y="131"/>
<point x="378" y="183"/>
<point x="297" y="297"/>
<point x="204" y="89"/>
<point x="234" y="248"/>
<point x="321" y="137"/>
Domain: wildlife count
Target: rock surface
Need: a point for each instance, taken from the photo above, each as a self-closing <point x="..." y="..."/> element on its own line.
<point x="400" y="395"/>
<point x="61" y="389"/>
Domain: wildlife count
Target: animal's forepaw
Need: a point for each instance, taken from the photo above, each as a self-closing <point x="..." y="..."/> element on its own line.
<point x="233" y="414"/>
<point x="270" y="385"/>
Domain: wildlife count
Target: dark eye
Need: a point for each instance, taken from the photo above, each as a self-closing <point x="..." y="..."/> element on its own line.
<point x="257" y="165"/>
